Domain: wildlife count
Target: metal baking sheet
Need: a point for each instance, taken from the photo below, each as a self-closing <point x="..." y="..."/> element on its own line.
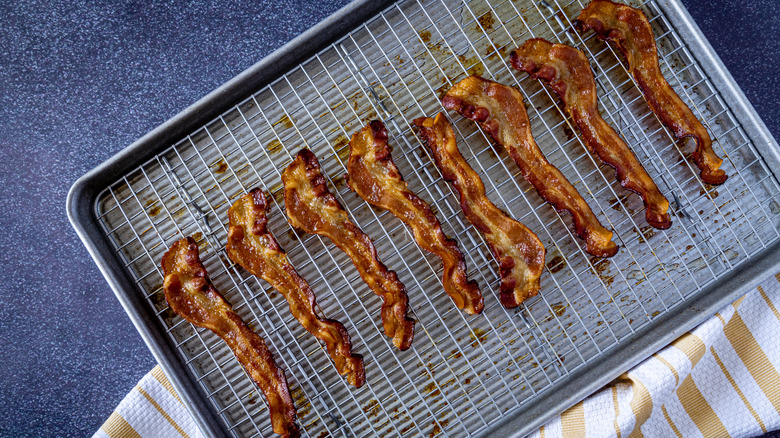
<point x="502" y="371"/>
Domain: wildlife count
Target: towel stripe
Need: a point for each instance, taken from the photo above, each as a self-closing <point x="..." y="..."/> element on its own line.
<point x="158" y="374"/>
<point x="117" y="427"/>
<point x="641" y="405"/>
<point x="692" y="346"/>
<point x="738" y="302"/>
<point x="699" y="410"/>
<point x="671" y="423"/>
<point x="769" y="302"/>
<point x="573" y="421"/>
<point x="162" y="412"/>
<point x="736" y="388"/>
<point x="671" y="368"/>
<point x="615" y="401"/>
<point x="637" y="432"/>
<point x="754" y="358"/>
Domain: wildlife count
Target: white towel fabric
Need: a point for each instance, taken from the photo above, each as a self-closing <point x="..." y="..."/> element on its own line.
<point x="151" y="409"/>
<point x="721" y="379"/>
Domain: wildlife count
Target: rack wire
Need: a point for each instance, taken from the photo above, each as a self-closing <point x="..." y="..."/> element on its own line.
<point x="463" y="372"/>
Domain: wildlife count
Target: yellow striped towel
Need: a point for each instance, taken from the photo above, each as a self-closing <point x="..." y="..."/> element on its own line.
<point x="151" y="409"/>
<point x="721" y="379"/>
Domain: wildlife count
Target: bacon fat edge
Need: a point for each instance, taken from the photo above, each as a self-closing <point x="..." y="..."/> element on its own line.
<point x="567" y="72"/>
<point x="519" y="252"/>
<point x="190" y="293"/>
<point x="629" y="29"/>
<point x="311" y="207"/>
<point x="374" y="177"/>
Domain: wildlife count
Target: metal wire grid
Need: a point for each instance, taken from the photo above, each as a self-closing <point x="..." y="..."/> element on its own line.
<point x="379" y="65"/>
<point x="462" y="372"/>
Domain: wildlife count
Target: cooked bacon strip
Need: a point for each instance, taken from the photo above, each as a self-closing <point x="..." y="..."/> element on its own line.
<point x="190" y="294"/>
<point x="375" y="178"/>
<point x="567" y="71"/>
<point x="629" y="29"/>
<point x="311" y="207"/>
<point x="519" y="252"/>
<point x="500" y="111"/>
<point x="256" y="250"/>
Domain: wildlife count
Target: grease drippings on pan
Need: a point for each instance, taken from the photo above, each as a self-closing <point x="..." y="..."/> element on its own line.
<point x="519" y="254"/>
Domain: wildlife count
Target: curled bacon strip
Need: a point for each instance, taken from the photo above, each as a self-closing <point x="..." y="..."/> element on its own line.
<point x="256" y="250"/>
<point x="311" y="207"/>
<point x="567" y="71"/>
<point x="500" y="111"/>
<point x="374" y="177"/>
<point x="189" y="293"/>
<point x="519" y="252"/>
<point x="629" y="29"/>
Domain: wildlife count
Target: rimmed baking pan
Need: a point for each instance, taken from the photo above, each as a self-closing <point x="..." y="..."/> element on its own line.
<point x="499" y="372"/>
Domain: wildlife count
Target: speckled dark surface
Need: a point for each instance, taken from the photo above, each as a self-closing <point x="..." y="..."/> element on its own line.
<point x="78" y="82"/>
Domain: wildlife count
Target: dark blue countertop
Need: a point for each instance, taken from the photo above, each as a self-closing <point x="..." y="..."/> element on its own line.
<point x="80" y="81"/>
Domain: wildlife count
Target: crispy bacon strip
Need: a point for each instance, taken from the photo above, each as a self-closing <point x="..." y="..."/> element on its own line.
<point x="375" y="178"/>
<point x="256" y="250"/>
<point x="519" y="252"/>
<point x="567" y="71"/>
<point x="500" y="111"/>
<point x="311" y="207"/>
<point x="629" y="29"/>
<point x="189" y="293"/>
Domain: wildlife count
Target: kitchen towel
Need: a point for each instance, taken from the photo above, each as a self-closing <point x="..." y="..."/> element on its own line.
<point x="151" y="409"/>
<point x="721" y="379"/>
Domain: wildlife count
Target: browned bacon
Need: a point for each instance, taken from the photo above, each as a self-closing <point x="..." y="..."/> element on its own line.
<point x="374" y="177"/>
<point x="311" y="207"/>
<point x="190" y="294"/>
<point x="519" y="252"/>
<point x="629" y="29"/>
<point x="256" y="250"/>
<point x="567" y="72"/>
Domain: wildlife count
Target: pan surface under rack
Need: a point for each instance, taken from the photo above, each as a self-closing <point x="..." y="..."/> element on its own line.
<point x="463" y="373"/>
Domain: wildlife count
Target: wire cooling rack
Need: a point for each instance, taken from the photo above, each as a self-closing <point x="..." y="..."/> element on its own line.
<point x="462" y="372"/>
